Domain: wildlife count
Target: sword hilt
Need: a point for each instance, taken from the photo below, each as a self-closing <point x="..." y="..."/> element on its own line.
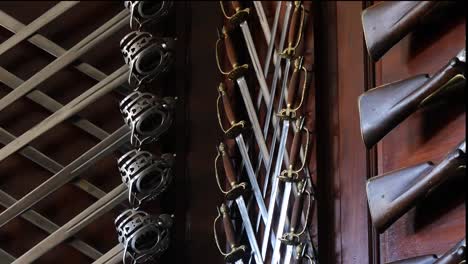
<point x="237" y="70"/>
<point x="290" y="112"/>
<point x="295" y="30"/>
<point x="237" y="252"/>
<point x="291" y="174"/>
<point x="237" y="189"/>
<point x="236" y="127"/>
<point x="240" y="16"/>
<point x="301" y="254"/>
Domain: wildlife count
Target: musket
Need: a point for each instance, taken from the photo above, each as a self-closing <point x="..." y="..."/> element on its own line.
<point x="37" y="24"/>
<point x="13" y="25"/>
<point x="67" y="58"/>
<point x="456" y="255"/>
<point x="383" y="108"/>
<point x="237" y="74"/>
<point x="112" y="256"/>
<point x="49" y="227"/>
<point x="392" y="194"/>
<point x="292" y="238"/>
<point x="387" y="22"/>
<point x="285" y="114"/>
<point x="66" y="174"/>
<point x="290" y="176"/>
<point x="235" y="193"/>
<point x="70" y="109"/>
<point x="49" y="164"/>
<point x="93" y="212"/>
<point x="235" y="131"/>
<point x="50" y="104"/>
<point x="237" y="252"/>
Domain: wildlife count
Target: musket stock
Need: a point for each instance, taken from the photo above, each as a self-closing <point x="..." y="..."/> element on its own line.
<point x="381" y="109"/>
<point x="392" y="194"/>
<point x="386" y="23"/>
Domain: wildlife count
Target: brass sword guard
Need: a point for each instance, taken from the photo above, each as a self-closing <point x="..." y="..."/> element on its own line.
<point x="237" y="189"/>
<point x="301" y="253"/>
<point x="240" y="16"/>
<point x="291" y="175"/>
<point x="292" y="238"/>
<point x="236" y="127"/>
<point x="290" y="51"/>
<point x="290" y="113"/>
<point x="237" y="252"/>
<point x="237" y="71"/>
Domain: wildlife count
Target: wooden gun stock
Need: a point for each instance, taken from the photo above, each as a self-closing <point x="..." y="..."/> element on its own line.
<point x="381" y="109"/>
<point x="392" y="194"/>
<point x="386" y="23"/>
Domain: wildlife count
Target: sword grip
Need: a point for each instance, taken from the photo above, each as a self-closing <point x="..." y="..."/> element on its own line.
<point x="295" y="147"/>
<point x="297" y="208"/>
<point x="227" y="105"/>
<point x="228" y="169"/>
<point x="293" y="87"/>
<point x="231" y="53"/>
<point x="294" y="26"/>
<point x="236" y="5"/>
<point x="228" y="228"/>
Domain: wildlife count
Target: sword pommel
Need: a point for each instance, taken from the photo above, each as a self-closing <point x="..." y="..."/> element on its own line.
<point x="237" y="252"/>
<point x="235" y="127"/>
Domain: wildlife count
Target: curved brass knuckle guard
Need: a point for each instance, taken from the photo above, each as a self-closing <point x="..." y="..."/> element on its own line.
<point x="290" y="51"/>
<point x="236" y="127"/>
<point x="291" y="175"/>
<point x="141" y="16"/>
<point x="300" y="253"/>
<point x="289" y="113"/>
<point x="237" y="70"/>
<point x="135" y="228"/>
<point x="237" y="189"/>
<point x="237" y="252"/>
<point x="293" y="237"/>
<point x="240" y="16"/>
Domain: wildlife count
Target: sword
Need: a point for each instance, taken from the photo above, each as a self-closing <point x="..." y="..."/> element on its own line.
<point x="235" y="131"/>
<point x="292" y="238"/>
<point x="112" y="256"/>
<point x="71" y="55"/>
<point x="93" y="212"/>
<point x="73" y="107"/>
<point x="289" y="176"/>
<point x="55" y="50"/>
<point x="240" y="18"/>
<point x="49" y="227"/>
<point x="237" y="74"/>
<point x="237" y="196"/>
<point x="301" y="254"/>
<point x="237" y="252"/>
<point x="69" y="172"/>
<point x="37" y="24"/>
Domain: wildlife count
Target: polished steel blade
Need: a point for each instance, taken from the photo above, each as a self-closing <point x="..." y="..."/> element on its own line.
<point x="48" y="226"/>
<point x="253" y="118"/>
<point x="274" y="188"/>
<point x="13" y="25"/>
<point x="73" y="107"/>
<point x="252" y="178"/>
<point x="68" y="173"/>
<point x="281" y="223"/>
<point x="90" y="214"/>
<point x="112" y="256"/>
<point x="271" y="40"/>
<point x="71" y="55"/>
<point x="37" y="24"/>
<point x="248" y="227"/>
<point x="288" y="255"/>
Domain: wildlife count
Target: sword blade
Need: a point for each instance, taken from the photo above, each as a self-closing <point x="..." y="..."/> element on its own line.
<point x="38" y="23"/>
<point x="75" y="52"/>
<point x="287" y="257"/>
<point x="282" y="220"/>
<point x="112" y="256"/>
<point x="100" y="207"/>
<point x="253" y="179"/>
<point x="69" y="172"/>
<point x="73" y="107"/>
<point x="48" y="226"/>
<point x="13" y="25"/>
<point x="249" y="230"/>
<point x="274" y="190"/>
<point x="271" y="40"/>
<point x="253" y="118"/>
